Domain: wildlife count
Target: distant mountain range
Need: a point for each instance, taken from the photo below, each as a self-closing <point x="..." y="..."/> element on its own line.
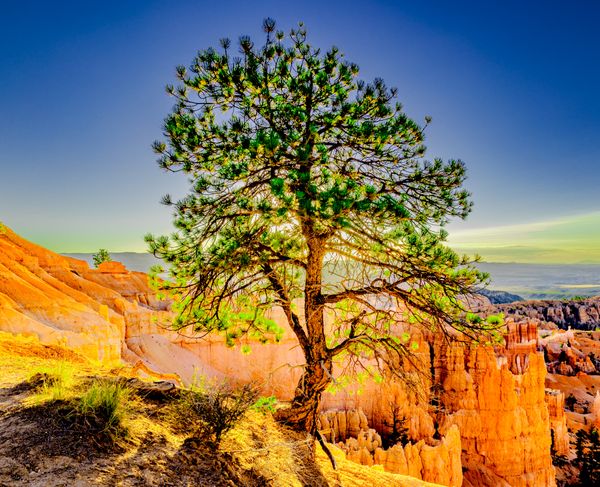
<point x="499" y="297"/>
<point x="544" y="281"/>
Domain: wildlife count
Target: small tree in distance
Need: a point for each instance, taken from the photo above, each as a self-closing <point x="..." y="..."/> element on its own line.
<point x="307" y="182"/>
<point x="101" y="256"/>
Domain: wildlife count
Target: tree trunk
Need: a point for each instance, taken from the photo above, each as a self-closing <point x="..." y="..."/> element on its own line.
<point x="302" y="414"/>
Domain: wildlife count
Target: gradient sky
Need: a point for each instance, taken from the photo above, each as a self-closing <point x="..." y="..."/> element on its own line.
<point x="513" y="89"/>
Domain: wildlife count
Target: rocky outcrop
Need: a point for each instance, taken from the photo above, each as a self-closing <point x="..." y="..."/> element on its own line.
<point x="493" y="396"/>
<point x="595" y="410"/>
<point x="558" y="421"/>
<point x="394" y="402"/>
<point x="64" y="302"/>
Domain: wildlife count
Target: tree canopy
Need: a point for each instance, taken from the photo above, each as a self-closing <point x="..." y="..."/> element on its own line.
<point x="309" y="191"/>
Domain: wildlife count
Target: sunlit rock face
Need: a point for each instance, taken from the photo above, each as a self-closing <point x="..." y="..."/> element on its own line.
<point x="497" y="400"/>
<point x="62" y="301"/>
<point x="558" y="421"/>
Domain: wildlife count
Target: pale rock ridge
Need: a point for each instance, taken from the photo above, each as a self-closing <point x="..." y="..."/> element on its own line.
<point x="596" y="410"/>
<point x="62" y="301"/>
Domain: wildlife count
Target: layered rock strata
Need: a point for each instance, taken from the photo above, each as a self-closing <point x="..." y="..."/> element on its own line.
<point x="62" y="301"/>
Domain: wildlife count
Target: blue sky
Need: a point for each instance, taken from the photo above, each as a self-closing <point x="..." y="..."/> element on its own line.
<point x="512" y="89"/>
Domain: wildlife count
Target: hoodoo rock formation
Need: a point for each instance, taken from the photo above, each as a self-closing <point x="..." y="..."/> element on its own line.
<point x="472" y="414"/>
<point x="494" y="397"/>
<point x="558" y="421"/>
<point x="436" y="461"/>
<point x="497" y="400"/>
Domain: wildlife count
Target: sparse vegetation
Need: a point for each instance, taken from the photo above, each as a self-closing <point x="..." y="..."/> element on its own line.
<point x="52" y="383"/>
<point x="60" y="445"/>
<point x="399" y="433"/>
<point x="212" y="411"/>
<point x="588" y="456"/>
<point x="495" y="319"/>
<point x="265" y="404"/>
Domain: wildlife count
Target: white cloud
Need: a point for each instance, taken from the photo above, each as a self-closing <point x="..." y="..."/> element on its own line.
<point x="567" y="240"/>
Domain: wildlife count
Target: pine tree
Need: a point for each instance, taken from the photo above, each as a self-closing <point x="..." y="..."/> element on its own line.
<point x="588" y="456"/>
<point x="101" y="256"/>
<point x="308" y="182"/>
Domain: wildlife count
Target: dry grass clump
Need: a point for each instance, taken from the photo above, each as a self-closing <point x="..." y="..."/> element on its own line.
<point x="97" y="407"/>
<point x="260" y="444"/>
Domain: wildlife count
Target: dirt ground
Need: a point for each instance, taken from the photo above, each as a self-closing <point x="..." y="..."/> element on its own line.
<point x="41" y="445"/>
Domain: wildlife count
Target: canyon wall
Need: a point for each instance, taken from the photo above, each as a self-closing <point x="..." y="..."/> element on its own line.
<point x="494" y="396"/>
<point x="486" y="403"/>
<point x="497" y="400"/>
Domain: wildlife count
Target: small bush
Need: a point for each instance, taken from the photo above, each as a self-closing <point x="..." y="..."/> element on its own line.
<point x="52" y="383"/>
<point x="495" y="319"/>
<point x="104" y="407"/>
<point x="265" y="404"/>
<point x="214" y="410"/>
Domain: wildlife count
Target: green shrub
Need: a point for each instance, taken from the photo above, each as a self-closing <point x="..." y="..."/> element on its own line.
<point x="101" y="257"/>
<point x="265" y="404"/>
<point x="495" y="319"/>
<point x="474" y="318"/>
